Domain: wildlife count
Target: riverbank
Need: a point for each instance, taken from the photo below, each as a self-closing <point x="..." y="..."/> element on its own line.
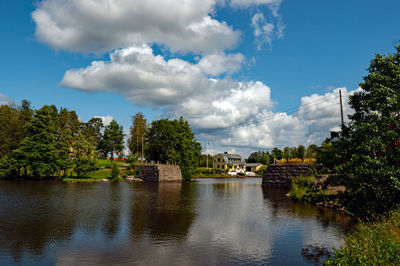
<point x="372" y="243"/>
<point x="375" y="242"/>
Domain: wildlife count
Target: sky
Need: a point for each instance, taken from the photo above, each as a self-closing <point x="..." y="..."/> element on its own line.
<point x="248" y="75"/>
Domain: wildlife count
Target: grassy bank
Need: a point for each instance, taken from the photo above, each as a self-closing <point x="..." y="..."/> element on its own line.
<point x="103" y="171"/>
<point x="373" y="243"/>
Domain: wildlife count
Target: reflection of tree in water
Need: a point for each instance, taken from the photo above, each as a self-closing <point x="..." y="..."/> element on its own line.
<point x="277" y="198"/>
<point x="163" y="210"/>
<point x="32" y="216"/>
<point x="111" y="222"/>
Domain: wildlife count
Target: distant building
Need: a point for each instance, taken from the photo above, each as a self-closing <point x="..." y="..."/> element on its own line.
<point x="232" y="162"/>
<point x="253" y="167"/>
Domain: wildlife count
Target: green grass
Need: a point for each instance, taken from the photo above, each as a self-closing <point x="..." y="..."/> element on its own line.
<point x="71" y="179"/>
<point x="373" y="243"/>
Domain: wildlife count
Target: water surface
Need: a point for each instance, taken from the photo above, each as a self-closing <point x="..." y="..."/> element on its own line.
<point x="204" y="222"/>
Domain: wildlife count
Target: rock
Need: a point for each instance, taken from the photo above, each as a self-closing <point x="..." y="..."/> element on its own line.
<point x="281" y="175"/>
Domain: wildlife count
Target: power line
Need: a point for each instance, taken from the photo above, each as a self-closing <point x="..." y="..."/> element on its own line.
<point x="273" y="116"/>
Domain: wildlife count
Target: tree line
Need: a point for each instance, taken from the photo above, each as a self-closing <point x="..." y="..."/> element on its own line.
<point x="51" y="142"/>
<point x="287" y="153"/>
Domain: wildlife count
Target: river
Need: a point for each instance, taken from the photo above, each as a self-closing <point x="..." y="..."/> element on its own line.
<point x="203" y="222"/>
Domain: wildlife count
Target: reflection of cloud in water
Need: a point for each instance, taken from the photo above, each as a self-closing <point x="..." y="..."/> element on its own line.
<point x="228" y="221"/>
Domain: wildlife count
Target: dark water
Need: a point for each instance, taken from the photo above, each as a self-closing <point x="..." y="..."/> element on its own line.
<point x="205" y="222"/>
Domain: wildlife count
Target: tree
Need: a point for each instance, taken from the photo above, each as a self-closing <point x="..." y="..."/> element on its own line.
<point x="84" y="156"/>
<point x="293" y="152"/>
<point x="66" y="134"/>
<point x="259" y="157"/>
<point x="137" y="134"/>
<point x="301" y="151"/>
<point x="37" y="150"/>
<point x="286" y="153"/>
<point x="277" y="153"/>
<point x="112" y="141"/>
<point x="92" y="130"/>
<point x="367" y="148"/>
<point x="312" y="151"/>
<point x="173" y="141"/>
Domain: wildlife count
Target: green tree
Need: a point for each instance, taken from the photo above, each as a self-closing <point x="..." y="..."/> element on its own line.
<point x="293" y="152"/>
<point x="259" y="157"/>
<point x="91" y="130"/>
<point x="112" y="141"/>
<point x="83" y="155"/>
<point x="169" y="140"/>
<point x="312" y="151"/>
<point x="286" y="153"/>
<point x="137" y="134"/>
<point x="368" y="146"/>
<point x="301" y="151"/>
<point x="68" y="128"/>
<point x="37" y="151"/>
<point x="277" y="153"/>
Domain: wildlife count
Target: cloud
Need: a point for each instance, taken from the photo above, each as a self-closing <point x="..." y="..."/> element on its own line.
<point x="263" y="31"/>
<point x="216" y="64"/>
<point x="106" y="119"/>
<point x="100" y="26"/>
<point x="211" y="104"/>
<point x="4" y="99"/>
<point x="147" y="79"/>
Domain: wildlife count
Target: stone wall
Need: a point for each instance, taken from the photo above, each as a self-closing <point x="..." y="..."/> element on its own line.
<point x="160" y="173"/>
<point x="281" y="175"/>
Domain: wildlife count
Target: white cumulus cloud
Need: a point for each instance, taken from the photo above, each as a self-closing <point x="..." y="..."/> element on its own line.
<point x="100" y="26"/>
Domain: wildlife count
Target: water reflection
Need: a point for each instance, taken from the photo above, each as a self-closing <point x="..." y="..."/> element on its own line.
<point x="282" y="205"/>
<point x="163" y="210"/>
<point x="213" y="221"/>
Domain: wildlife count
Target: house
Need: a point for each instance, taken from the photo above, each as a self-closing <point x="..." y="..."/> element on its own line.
<point x="232" y="162"/>
<point x="253" y="167"/>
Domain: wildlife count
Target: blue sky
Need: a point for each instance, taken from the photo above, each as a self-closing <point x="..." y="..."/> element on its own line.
<point x="227" y="74"/>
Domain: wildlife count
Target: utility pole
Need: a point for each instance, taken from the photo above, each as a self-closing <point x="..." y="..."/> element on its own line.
<point x="341" y="107"/>
<point x="207" y="153"/>
<point x="142" y="149"/>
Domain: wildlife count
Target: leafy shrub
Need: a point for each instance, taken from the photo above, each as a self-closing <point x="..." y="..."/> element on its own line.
<point x="114" y="171"/>
<point x="305" y="189"/>
<point x="262" y="169"/>
<point x="375" y="243"/>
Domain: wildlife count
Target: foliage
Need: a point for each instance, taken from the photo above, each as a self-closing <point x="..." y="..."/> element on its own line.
<point x="202" y="160"/>
<point x="367" y="152"/>
<point x="259" y="157"/>
<point x="311" y="151"/>
<point x="13" y="120"/>
<point x="262" y="170"/>
<point x="301" y="152"/>
<point x="137" y="134"/>
<point x="293" y="152"/>
<point x="37" y="151"/>
<point x="375" y="243"/>
<point x="305" y="189"/>
<point x="286" y="153"/>
<point x="112" y="141"/>
<point x="91" y="131"/>
<point x="115" y="171"/>
<point x="173" y="141"/>
<point x="277" y="153"/>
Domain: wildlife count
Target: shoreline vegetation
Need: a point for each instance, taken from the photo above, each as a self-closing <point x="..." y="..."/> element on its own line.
<point x="361" y="174"/>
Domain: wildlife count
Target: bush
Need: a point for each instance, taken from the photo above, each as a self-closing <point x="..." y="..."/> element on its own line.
<point x="372" y="244"/>
<point x="114" y="171"/>
<point x="262" y="169"/>
<point x="305" y="189"/>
